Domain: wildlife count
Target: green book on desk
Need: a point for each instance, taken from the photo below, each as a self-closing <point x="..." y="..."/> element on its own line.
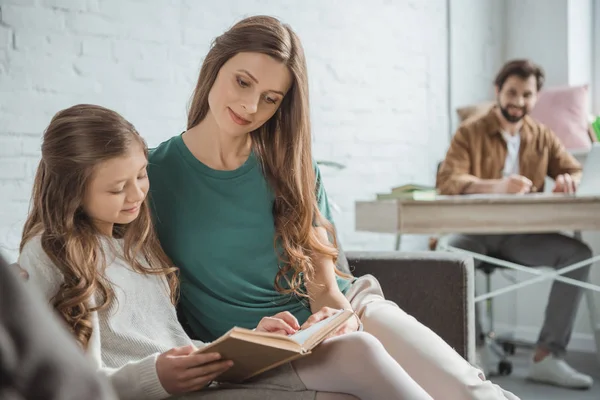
<point x="409" y="191"/>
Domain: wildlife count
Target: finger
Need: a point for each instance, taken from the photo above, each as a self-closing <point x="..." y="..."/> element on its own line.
<point x="526" y="183"/>
<point x="313" y="319"/>
<point x="199" y="359"/>
<point x="281" y="332"/>
<point x="288" y="318"/>
<point x="23" y="274"/>
<point x="520" y="187"/>
<point x="559" y="183"/>
<point x="339" y="332"/>
<point x="208" y="369"/>
<point x="175" y="351"/>
<point x="525" y="180"/>
<point x="318" y="316"/>
<point x="275" y="324"/>
<point x="569" y="184"/>
<point x="201" y="382"/>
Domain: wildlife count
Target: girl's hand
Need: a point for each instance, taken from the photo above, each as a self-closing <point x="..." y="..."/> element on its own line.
<point x="351" y="325"/>
<point x="283" y="323"/>
<point x="181" y="370"/>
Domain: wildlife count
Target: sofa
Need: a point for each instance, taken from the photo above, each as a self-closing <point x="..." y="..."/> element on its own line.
<point x="434" y="287"/>
<point x="437" y="288"/>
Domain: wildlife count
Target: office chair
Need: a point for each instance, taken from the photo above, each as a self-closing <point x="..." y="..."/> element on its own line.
<point x="501" y="347"/>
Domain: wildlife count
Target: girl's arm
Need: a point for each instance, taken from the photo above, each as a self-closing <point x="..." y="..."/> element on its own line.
<point x="135" y="380"/>
<point x="156" y="376"/>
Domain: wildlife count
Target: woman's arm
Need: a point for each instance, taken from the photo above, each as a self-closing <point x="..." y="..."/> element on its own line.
<point x="325" y="295"/>
<point x="323" y="289"/>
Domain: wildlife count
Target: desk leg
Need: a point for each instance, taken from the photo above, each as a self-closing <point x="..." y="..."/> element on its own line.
<point x="592" y="309"/>
<point x="398" y="241"/>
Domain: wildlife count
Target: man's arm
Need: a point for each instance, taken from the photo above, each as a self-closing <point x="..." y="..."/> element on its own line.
<point x="560" y="161"/>
<point x="454" y="175"/>
<point x="38" y="358"/>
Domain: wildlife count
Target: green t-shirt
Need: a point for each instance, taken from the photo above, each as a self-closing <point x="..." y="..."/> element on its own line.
<point x="218" y="228"/>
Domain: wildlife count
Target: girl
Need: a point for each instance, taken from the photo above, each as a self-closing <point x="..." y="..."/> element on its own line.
<point x="89" y="246"/>
<point x="240" y="207"/>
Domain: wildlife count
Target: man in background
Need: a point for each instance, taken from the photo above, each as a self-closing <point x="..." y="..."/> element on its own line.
<point x="506" y="152"/>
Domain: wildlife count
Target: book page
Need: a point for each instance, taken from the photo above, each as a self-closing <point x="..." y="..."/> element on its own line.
<point x="301" y="336"/>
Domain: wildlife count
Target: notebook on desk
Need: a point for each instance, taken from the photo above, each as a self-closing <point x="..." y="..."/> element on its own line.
<point x="590" y="179"/>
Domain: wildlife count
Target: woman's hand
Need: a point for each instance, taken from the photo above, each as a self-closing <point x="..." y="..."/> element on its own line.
<point x="181" y="370"/>
<point x="283" y="323"/>
<point x="351" y="325"/>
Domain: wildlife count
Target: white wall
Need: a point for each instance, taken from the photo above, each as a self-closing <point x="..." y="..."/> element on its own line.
<point x="378" y="77"/>
<point x="580" y="37"/>
<point x="539" y="30"/>
<point x="477" y="32"/>
<point x="596" y="56"/>
<point x="557" y="34"/>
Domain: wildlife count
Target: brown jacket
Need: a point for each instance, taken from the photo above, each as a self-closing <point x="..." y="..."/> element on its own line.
<point x="478" y="151"/>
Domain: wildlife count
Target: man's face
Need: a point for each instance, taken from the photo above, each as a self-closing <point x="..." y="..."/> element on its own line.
<point x="517" y="97"/>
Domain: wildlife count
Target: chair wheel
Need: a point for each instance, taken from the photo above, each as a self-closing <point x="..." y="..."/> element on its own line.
<point x="509" y="348"/>
<point x="504" y="367"/>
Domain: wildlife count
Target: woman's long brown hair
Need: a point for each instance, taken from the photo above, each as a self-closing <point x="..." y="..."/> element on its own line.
<point x="282" y="144"/>
<point x="76" y="141"/>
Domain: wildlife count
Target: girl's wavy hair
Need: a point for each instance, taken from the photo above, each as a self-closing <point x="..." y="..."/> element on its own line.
<point x="282" y="144"/>
<point x="77" y="140"/>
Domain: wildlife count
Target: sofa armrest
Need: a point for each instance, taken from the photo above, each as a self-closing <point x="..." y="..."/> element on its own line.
<point x="436" y="288"/>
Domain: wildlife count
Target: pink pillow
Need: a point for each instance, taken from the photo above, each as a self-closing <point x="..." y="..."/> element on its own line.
<point x="565" y="111"/>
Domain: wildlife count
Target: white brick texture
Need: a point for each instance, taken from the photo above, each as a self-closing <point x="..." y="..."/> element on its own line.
<point x="378" y="78"/>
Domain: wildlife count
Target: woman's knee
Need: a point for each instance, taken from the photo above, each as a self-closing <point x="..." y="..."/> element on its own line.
<point x="360" y="344"/>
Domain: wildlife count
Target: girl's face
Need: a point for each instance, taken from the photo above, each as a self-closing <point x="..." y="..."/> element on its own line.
<point x="117" y="190"/>
<point x="247" y="92"/>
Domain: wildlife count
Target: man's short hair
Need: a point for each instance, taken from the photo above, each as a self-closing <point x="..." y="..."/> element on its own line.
<point x="522" y="68"/>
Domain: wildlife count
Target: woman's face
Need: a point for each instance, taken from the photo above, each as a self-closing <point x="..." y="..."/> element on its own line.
<point x="247" y="92"/>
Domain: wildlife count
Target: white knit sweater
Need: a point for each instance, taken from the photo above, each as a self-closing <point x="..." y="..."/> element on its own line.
<point x="128" y="336"/>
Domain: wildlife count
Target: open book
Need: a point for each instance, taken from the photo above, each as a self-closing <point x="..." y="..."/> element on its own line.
<point x="254" y="352"/>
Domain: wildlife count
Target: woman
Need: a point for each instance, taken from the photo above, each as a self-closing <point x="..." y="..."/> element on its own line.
<point x="89" y="247"/>
<point x="240" y="208"/>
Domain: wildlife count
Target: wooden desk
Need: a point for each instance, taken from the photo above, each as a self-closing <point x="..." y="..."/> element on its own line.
<point x="531" y="213"/>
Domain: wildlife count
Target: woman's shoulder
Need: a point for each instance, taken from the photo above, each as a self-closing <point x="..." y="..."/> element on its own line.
<point x="160" y="153"/>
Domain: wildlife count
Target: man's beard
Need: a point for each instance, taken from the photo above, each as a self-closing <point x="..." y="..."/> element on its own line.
<point x="512" y="118"/>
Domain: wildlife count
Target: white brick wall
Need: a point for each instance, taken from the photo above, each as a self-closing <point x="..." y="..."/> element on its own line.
<point x="378" y="76"/>
<point x="477" y="32"/>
